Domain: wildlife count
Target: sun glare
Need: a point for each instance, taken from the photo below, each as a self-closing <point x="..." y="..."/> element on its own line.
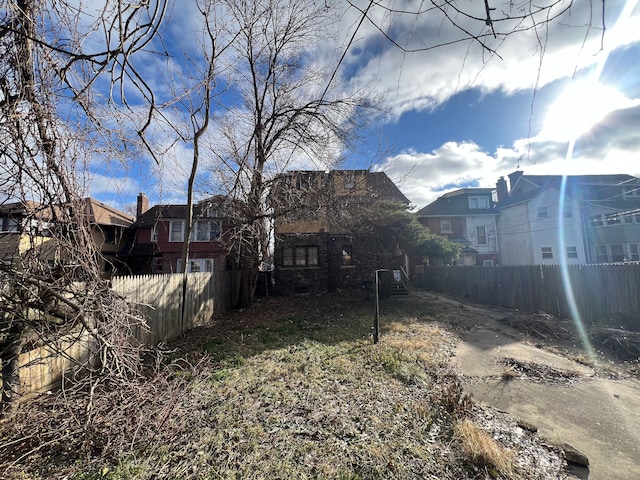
<point x="578" y="108"/>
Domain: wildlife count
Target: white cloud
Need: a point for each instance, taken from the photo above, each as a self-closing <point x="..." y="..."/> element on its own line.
<point x="426" y="79"/>
<point x="609" y="147"/>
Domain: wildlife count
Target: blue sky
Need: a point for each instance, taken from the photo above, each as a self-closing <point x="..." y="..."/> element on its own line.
<point x="457" y="115"/>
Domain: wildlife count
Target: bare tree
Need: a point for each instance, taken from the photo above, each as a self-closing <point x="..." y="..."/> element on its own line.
<point x="288" y="113"/>
<point x="53" y="292"/>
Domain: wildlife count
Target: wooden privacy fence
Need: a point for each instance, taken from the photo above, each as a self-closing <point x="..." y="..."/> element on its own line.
<point x="158" y="297"/>
<point x="599" y="291"/>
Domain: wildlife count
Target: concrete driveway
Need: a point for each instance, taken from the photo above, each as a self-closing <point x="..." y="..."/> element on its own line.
<point x="598" y="416"/>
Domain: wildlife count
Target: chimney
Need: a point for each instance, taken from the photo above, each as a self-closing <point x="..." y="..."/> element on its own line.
<point x="513" y="178"/>
<point x="502" y="189"/>
<point x="143" y="204"/>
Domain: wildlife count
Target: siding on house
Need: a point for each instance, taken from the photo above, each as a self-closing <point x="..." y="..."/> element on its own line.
<point x="599" y="221"/>
<point x="471" y="216"/>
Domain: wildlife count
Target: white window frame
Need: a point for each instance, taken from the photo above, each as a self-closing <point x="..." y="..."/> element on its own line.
<point x="634" y="252"/>
<point x="572" y="252"/>
<point x="487" y="263"/>
<point x="596" y="220"/>
<point x="154" y="233"/>
<point x="601" y="254"/>
<point x="483" y="234"/>
<point x="176" y="227"/>
<point x="543" y="212"/>
<point x="617" y="254"/>
<point x="479" y="202"/>
<point x="203" y="265"/>
<point x="547" y="253"/>
<point x="202" y="231"/>
<point x="443" y="222"/>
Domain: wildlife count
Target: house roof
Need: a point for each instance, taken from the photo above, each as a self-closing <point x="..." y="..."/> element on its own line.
<point x="605" y="190"/>
<point x="376" y="184"/>
<point x="102" y="214"/>
<point x="456" y="203"/>
<point x="173" y="211"/>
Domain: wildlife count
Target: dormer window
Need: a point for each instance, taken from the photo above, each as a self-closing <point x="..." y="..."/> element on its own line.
<point x="350" y="183"/>
<point x="476" y="203"/>
<point x="632" y="191"/>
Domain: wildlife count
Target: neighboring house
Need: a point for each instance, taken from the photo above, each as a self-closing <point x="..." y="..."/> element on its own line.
<point x="24" y="231"/>
<point x="466" y="217"/>
<point x="319" y="246"/>
<point x="598" y="222"/>
<point x="159" y="232"/>
<point x="109" y="232"/>
<point x="25" y="228"/>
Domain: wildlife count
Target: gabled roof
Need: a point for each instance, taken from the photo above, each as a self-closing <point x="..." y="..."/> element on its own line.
<point x="102" y="214"/>
<point x="174" y="211"/>
<point x="456" y="203"/>
<point x="602" y="189"/>
<point x="376" y="184"/>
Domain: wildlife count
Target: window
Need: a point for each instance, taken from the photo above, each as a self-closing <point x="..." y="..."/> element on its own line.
<point x="567" y="213"/>
<point x="617" y="253"/>
<point x="595" y="220"/>
<point x="445" y="225"/>
<point x="206" y="231"/>
<point x="487" y="263"/>
<point x="601" y="254"/>
<point x="9" y="224"/>
<point x="542" y="212"/>
<point x="347" y="255"/>
<point x="300" y="257"/>
<point x="613" y="219"/>
<point x="478" y="202"/>
<point x="197" y="265"/>
<point x="287" y="257"/>
<point x="176" y="231"/>
<point x="481" y="235"/>
<point x="632" y="191"/>
<point x="572" y="252"/>
<point x="350" y="182"/>
<point x="154" y="233"/>
<point x="635" y="252"/>
<point x="156" y="266"/>
<point x="547" y="252"/>
<point x="110" y="235"/>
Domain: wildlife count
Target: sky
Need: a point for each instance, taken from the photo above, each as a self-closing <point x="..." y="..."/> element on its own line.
<point x="560" y="99"/>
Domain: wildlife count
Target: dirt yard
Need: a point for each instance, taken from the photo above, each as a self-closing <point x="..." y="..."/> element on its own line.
<point x="536" y="368"/>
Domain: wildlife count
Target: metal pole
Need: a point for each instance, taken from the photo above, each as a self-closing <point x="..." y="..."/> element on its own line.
<point x="376" y="319"/>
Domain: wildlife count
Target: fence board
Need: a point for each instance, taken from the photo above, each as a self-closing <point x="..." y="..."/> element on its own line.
<point x="159" y="298"/>
<point x="599" y="291"/>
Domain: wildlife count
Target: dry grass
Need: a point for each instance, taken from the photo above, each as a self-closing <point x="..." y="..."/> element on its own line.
<point x="484" y="451"/>
<point x="290" y="388"/>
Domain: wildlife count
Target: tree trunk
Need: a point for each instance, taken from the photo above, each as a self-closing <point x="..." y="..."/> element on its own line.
<point x="10" y="351"/>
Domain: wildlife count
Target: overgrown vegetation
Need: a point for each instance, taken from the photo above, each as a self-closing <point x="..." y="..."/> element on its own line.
<point x="290" y="388"/>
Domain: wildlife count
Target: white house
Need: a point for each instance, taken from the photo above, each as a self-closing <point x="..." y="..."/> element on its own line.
<point x="548" y="219"/>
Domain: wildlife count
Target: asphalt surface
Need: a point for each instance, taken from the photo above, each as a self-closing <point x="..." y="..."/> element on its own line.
<point x="597" y="415"/>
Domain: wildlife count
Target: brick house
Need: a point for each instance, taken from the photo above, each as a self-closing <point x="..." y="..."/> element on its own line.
<point x="158" y="233"/>
<point x="316" y="247"/>
<point x="467" y="217"/>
